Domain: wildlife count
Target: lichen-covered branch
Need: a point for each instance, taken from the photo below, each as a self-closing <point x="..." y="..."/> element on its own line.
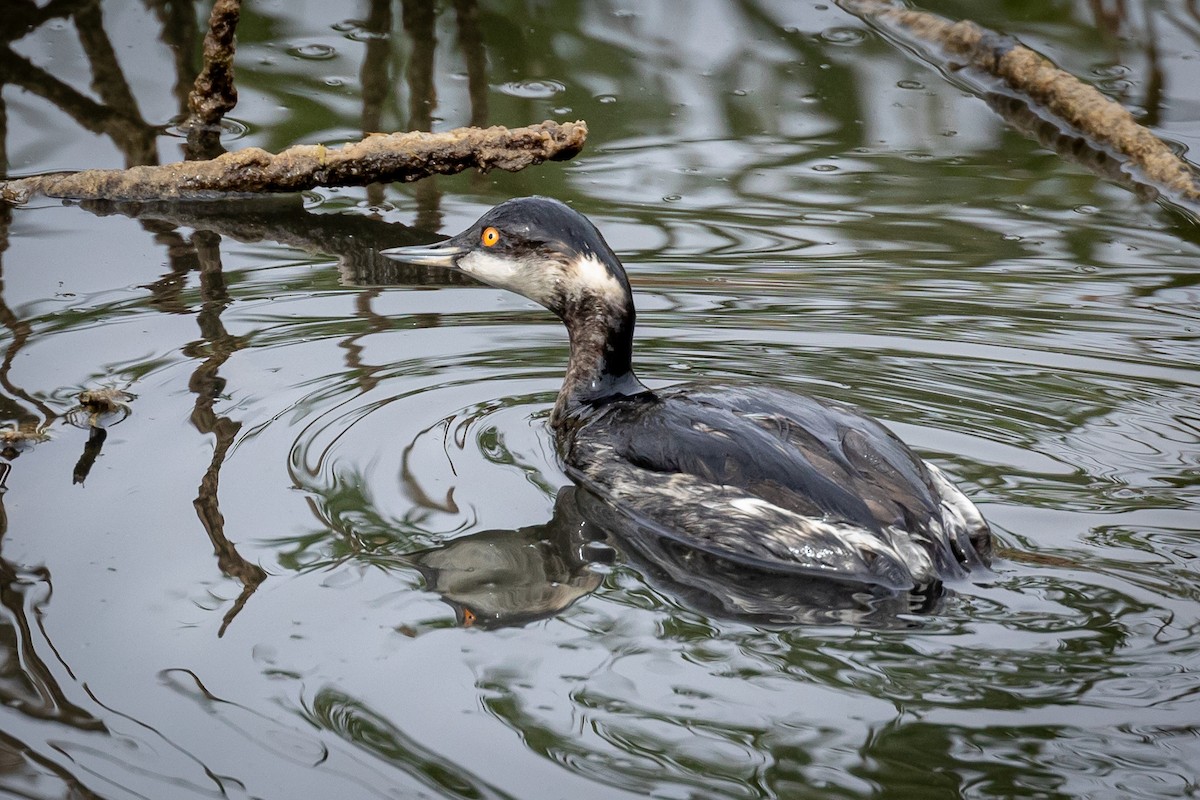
<point x="377" y="158"/>
<point x="213" y="95"/>
<point x="966" y="46"/>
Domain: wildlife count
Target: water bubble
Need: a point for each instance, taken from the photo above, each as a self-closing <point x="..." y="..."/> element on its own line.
<point x="824" y="168"/>
<point x="335" y="82"/>
<point x="739" y="92"/>
<point x="532" y="89"/>
<point x="606" y="98"/>
<point x="365" y="35"/>
<point x="1109" y="70"/>
<point x="357" y="30"/>
<point x="671" y="198"/>
<point x="1086" y="209"/>
<point x="231" y="129"/>
<point x="1115" y="86"/>
<point x="910" y="84"/>
<point x="561" y="110"/>
<point x="313" y="52"/>
<point x="844" y="36"/>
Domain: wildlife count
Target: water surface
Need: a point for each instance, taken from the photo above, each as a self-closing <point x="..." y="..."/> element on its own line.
<point x="264" y="582"/>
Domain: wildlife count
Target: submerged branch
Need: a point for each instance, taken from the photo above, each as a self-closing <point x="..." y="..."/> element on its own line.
<point x="1053" y="92"/>
<point x="377" y="158"/>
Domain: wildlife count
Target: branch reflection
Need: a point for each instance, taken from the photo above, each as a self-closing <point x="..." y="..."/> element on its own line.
<point x="355" y="240"/>
<point x="420" y="19"/>
<point x="207" y="384"/>
<point x="28" y="416"/>
<point x="27" y="683"/>
<point x="375" y="77"/>
<point x="181" y="35"/>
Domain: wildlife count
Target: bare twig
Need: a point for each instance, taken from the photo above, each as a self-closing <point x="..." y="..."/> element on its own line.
<point x="381" y="157"/>
<point x="966" y="46"/>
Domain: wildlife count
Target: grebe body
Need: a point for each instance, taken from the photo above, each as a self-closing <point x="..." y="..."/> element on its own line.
<point x="766" y="478"/>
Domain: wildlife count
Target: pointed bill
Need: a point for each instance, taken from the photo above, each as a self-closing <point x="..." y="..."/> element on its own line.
<point x="440" y="254"/>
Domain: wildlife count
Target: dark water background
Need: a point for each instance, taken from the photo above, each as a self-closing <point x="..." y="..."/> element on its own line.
<point x="238" y="598"/>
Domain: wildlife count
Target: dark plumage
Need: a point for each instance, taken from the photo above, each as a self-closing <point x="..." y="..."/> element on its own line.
<point x="762" y="477"/>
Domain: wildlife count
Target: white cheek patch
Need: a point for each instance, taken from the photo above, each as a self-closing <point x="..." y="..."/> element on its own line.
<point x="532" y="280"/>
<point x="594" y="277"/>
<point x="537" y="278"/>
<point x="489" y="268"/>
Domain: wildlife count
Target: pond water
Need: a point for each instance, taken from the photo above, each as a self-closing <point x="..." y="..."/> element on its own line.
<point x="260" y="581"/>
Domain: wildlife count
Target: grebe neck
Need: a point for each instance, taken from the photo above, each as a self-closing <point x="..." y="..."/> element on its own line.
<point x="600" y="329"/>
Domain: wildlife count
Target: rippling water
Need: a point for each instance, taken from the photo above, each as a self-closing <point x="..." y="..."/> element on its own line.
<point x="326" y="550"/>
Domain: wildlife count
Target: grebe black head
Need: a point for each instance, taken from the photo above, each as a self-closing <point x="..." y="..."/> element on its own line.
<point x="764" y="477"/>
<point x="535" y="246"/>
<point x="543" y="249"/>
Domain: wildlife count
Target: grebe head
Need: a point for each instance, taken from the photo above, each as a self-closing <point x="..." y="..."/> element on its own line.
<point x="537" y="247"/>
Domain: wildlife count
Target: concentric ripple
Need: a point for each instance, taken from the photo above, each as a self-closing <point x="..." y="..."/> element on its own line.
<point x="401" y="472"/>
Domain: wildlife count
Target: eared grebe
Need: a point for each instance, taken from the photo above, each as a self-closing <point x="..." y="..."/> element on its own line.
<point x="763" y="477"/>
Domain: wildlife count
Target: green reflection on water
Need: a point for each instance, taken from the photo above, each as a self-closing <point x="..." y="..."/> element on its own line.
<point x="799" y="204"/>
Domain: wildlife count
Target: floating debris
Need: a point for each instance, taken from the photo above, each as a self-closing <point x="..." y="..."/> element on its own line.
<point x="14" y="441"/>
<point x="100" y="407"/>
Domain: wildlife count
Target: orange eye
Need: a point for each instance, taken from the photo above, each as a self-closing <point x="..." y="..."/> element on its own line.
<point x="490" y="237"/>
<point x="468" y="614"/>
